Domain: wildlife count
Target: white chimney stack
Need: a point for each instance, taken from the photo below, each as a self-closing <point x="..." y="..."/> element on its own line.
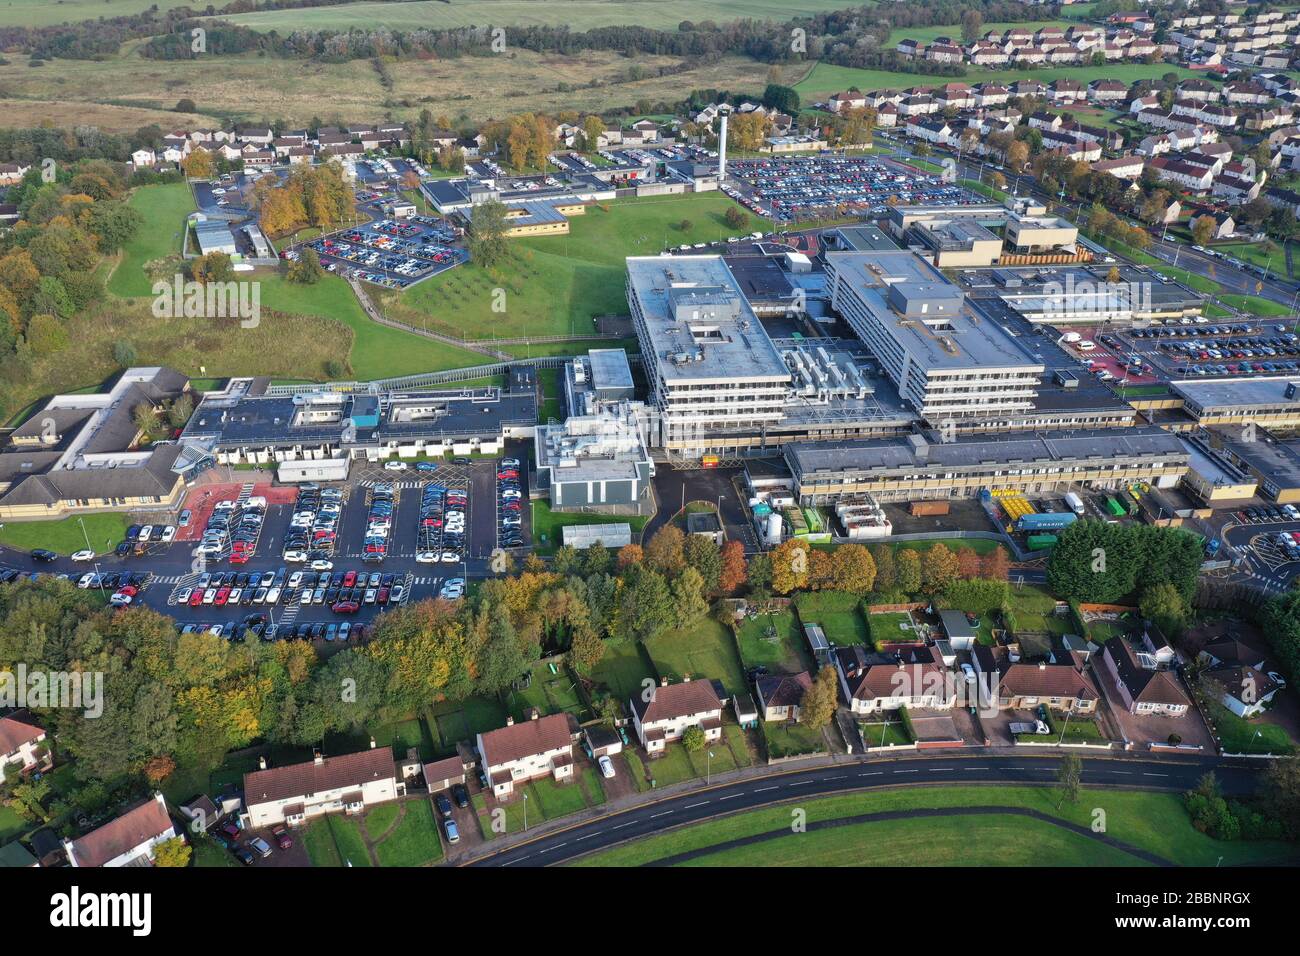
<point x="722" y="150"/>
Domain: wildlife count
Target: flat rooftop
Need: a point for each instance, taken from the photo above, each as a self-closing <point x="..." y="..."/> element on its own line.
<point x="1237" y="393"/>
<point x="1279" y="459"/>
<point x="682" y="296"/>
<point x="965" y="339"/>
<point x="888" y="454"/>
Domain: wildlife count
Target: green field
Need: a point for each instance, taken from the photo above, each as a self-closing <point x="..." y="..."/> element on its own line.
<point x="839" y="614"/>
<point x="784" y="651"/>
<point x="1154" y="822"/>
<point x="164" y="208"/>
<point x="104" y="529"/>
<point x="1255" y="305"/>
<point x="826" y="79"/>
<point x="623" y="670"/>
<point x="377" y="351"/>
<point x="582" y="14"/>
<point x="556" y="285"/>
<point x="705" y="650"/>
<point x="413" y="841"/>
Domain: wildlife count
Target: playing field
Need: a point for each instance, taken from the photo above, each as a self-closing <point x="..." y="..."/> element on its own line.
<point x="826" y="79"/>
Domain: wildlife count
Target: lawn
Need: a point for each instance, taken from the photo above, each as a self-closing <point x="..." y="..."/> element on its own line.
<point x="888" y="626"/>
<point x="838" y="613"/>
<point x="1267" y="254"/>
<point x="826" y="79"/>
<point x="782" y="651"/>
<point x="549" y="693"/>
<point x="376" y="351"/>
<point x="450" y="722"/>
<point x="1197" y="283"/>
<point x="336" y="840"/>
<point x="547" y="524"/>
<point x="884" y="733"/>
<point x="677" y="764"/>
<point x="413" y="842"/>
<point x="1241" y="736"/>
<point x="551" y="407"/>
<point x="1033" y="607"/>
<point x="104" y="530"/>
<point x="401" y="735"/>
<point x="557" y="285"/>
<point x="12" y="825"/>
<point x="705" y="650"/>
<point x="546" y="800"/>
<point x="791" y="739"/>
<point x="164" y="208"/>
<point x="623" y="670"/>
<point x="1255" y="305"/>
<point x="1155" y="822"/>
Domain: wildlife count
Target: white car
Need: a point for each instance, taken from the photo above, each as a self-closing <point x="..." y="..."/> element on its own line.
<point x="235" y="595"/>
<point x="450" y="557"/>
<point x="322" y="565"/>
<point x="452" y="592"/>
<point x="273" y="596"/>
<point x="394" y="466"/>
<point x="606" y="767"/>
<point x="86" y="580"/>
<point x="968" y="673"/>
<point x="426" y="557"/>
<point x="145" y="533"/>
<point x="119" y="599"/>
<point x="295" y="557"/>
<point x="183" y="595"/>
<point x="169" y="532"/>
<point x="83" y="555"/>
<point x="295" y="579"/>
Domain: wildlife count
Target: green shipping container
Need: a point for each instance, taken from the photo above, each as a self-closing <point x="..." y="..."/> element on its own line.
<point x="1115" y="508"/>
<point x="1037" y="542"/>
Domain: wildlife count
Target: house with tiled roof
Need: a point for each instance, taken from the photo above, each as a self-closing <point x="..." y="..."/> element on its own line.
<point x="348" y="783"/>
<point x="672" y="708"/>
<point x="1144" y="690"/>
<point x="528" y="750"/>
<point x="22" y="742"/>
<point x="872" y="682"/>
<point x="780" y="695"/>
<point x="128" y="840"/>
<point x="1016" y="684"/>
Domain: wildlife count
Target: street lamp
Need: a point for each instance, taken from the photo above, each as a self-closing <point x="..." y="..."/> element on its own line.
<point x="525" y="813"/>
<point x="708" y="769"/>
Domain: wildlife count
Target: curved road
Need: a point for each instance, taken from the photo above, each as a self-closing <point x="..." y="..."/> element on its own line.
<point x="562" y="845"/>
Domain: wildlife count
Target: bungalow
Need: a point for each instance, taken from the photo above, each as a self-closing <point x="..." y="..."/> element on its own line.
<point x="1143" y="690"/>
<point x="780" y="695"/>
<point x="672" y="708"/>
<point x="527" y="750"/>
<point x="1243" y="690"/>
<point x="874" y="682"/>
<point x="22" y="742"/>
<point x="128" y="840"/>
<point x="1015" y="685"/>
<point x="294" y="794"/>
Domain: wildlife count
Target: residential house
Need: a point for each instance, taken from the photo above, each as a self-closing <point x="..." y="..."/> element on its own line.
<point x="1107" y="91"/>
<point x="1015" y="684"/>
<point x="1243" y="690"/>
<point x="22" y="742"/>
<point x="780" y="695"/>
<point x="1144" y="690"/>
<point x="527" y="750"/>
<point x="843" y="102"/>
<point x="672" y="708"/>
<point x="294" y="794"/>
<point x="128" y="840"/>
<point x="1122" y="167"/>
<point x="872" y="682"/>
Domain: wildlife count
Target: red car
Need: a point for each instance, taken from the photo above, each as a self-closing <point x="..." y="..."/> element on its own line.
<point x="196" y="597"/>
<point x="240" y="557"/>
<point x="282" y="838"/>
<point x="222" y="596"/>
<point x="382" y="596"/>
<point x="350" y="579"/>
<point x="346" y="607"/>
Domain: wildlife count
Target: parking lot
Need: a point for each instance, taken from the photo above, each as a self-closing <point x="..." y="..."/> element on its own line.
<point x="813" y="186"/>
<point x="1177" y="352"/>
<point x="394" y="253"/>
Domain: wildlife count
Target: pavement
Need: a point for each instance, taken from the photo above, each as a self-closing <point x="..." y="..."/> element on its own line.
<point x="556" y="842"/>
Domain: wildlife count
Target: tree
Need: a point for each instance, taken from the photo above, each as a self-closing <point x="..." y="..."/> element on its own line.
<point x="882" y="556"/>
<point x="645" y="607"/>
<point x="585" y="649"/>
<point x="1280" y="790"/>
<point x="789" y="566"/>
<point x="685" y="225"/>
<point x="784" y="99"/>
<point x="487" y="233"/>
<point x="186" y="105"/>
<point x="702" y="554"/>
<point x="1163" y="604"/>
<point x="688" y="602"/>
<point x="593" y="127"/>
<point x="972" y="24"/>
<point x="629" y="556"/>
<point x="758" y="575"/>
<point x="180" y="411"/>
<point x="938" y="568"/>
<point x="666" y="550"/>
<point x="1203" y="229"/>
<point x="732" y="575"/>
<point x="172" y="853"/>
<point x="212" y="267"/>
<point x="819" y="700"/>
<point x="46" y="335"/>
<point x="852" y="569"/>
<point x="693" y="739"/>
<point x="502" y="659"/>
<point x="1017" y="156"/>
<point x="124" y="354"/>
<point x="968" y="563"/>
<point x="198" y="164"/>
<point x="306" y="270"/>
<point x="908" y="571"/>
<point x="1068" y="776"/>
<point x="736" y="218"/>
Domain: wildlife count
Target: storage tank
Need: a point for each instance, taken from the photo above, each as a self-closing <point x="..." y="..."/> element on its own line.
<point x="774" y="527"/>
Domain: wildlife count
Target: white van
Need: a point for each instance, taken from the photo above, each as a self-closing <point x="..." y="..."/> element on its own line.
<point x="1086" y="345"/>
